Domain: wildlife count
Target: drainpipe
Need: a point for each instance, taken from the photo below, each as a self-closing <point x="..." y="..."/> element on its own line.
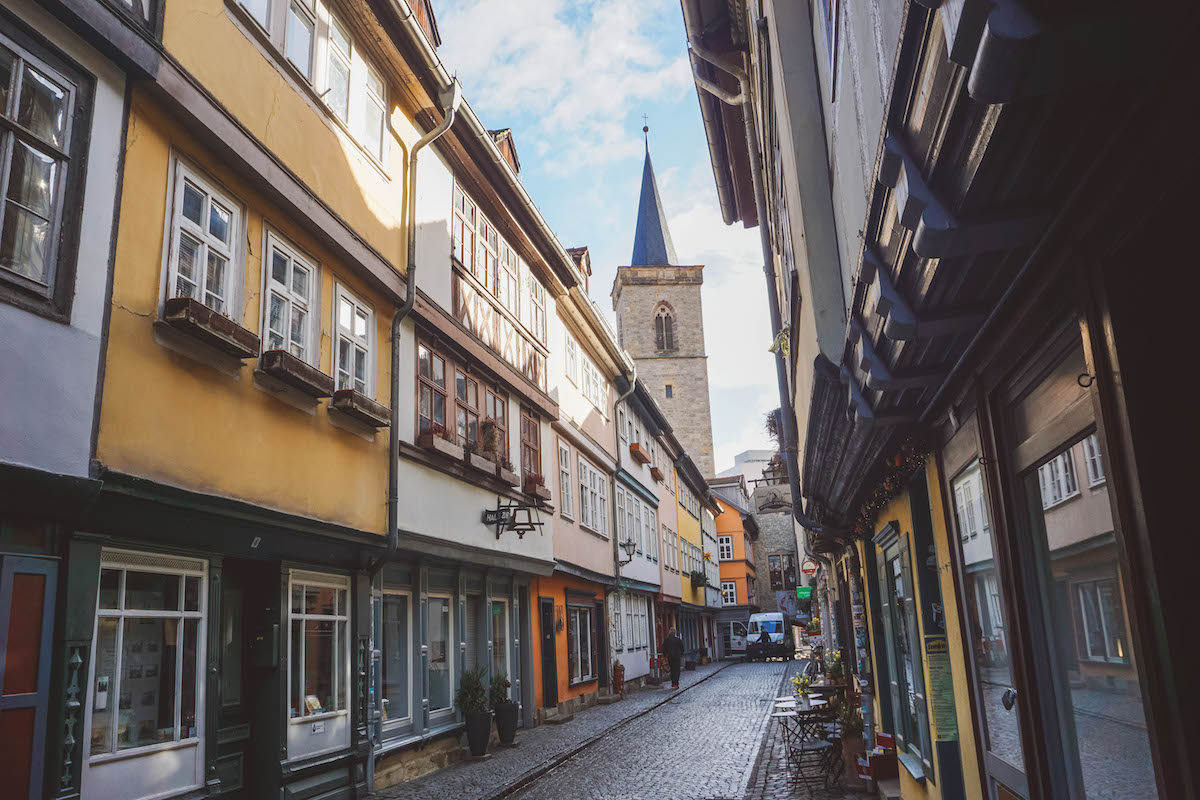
<point x="450" y="98"/>
<point x="617" y="441"/>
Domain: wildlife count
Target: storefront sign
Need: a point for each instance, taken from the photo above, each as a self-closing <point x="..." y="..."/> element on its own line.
<point x="941" y="689"/>
<point x="803" y="592"/>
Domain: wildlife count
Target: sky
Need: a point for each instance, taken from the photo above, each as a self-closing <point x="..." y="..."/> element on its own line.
<point x="572" y="78"/>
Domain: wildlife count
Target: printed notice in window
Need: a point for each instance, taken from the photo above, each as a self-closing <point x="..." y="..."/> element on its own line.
<point x="941" y="689"/>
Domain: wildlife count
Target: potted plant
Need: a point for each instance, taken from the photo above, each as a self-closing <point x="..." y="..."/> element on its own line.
<point x="814" y="626"/>
<point x="489" y="439"/>
<point x="506" y="473"/>
<point x="440" y="440"/>
<point x="471" y="699"/>
<point x="535" y="485"/>
<point x="836" y="669"/>
<point x="480" y="461"/>
<point x="504" y="708"/>
<point x="699" y="579"/>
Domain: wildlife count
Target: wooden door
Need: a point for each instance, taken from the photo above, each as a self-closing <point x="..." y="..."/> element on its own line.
<point x="549" y="657"/>
<point x="26" y="627"/>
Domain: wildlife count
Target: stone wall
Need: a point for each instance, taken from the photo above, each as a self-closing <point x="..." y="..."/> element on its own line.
<point x="638" y="293"/>
<point x="776" y="535"/>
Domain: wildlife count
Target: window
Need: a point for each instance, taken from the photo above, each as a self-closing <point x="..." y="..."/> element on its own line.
<point x="1100" y="622"/>
<point x="1057" y="479"/>
<point x="664" y="330"/>
<point x="565" y="487"/>
<point x="353" y="343"/>
<point x="614" y="616"/>
<point x="728" y="593"/>
<point x="652" y="533"/>
<point x="969" y="503"/>
<point x="1095" y="466"/>
<point x="438" y="625"/>
<point x="431" y="374"/>
<point x="496" y="410"/>
<point x="462" y="230"/>
<point x="337" y="70"/>
<point x="669" y="390"/>
<point x="509" y="291"/>
<point x="536" y="296"/>
<point x="580" y="644"/>
<point x="622" y="431"/>
<point x="260" y="10"/>
<point x="149" y="643"/>
<point x="44" y="114"/>
<point x="500" y="639"/>
<point x="593" y="497"/>
<point x="291" y="286"/>
<point x="725" y="548"/>
<point x="396" y="659"/>
<point x="531" y="449"/>
<point x="572" y="359"/>
<point x="300" y="35"/>
<point x="909" y="714"/>
<point x="466" y="411"/>
<point x="318" y="641"/>
<point x="205" y="225"/>
<point x="486" y="266"/>
<point x="370" y="129"/>
<point x="775" y="568"/>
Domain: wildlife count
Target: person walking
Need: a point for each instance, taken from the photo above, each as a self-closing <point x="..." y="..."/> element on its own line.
<point x="764" y="642"/>
<point x="672" y="648"/>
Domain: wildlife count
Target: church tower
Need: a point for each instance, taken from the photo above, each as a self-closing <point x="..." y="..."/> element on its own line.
<point x="661" y="323"/>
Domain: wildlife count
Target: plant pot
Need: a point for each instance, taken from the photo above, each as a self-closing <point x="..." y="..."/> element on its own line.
<point x="506" y="721"/>
<point x="479" y="728"/>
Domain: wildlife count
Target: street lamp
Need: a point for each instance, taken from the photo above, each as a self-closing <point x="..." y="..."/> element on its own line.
<point x="629" y="545"/>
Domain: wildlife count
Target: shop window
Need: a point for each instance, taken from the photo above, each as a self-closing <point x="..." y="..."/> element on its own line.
<point x="581" y="647"/>
<point x="44" y="120"/>
<point x="500" y="640"/>
<point x="438" y="626"/>
<point x="396" y="658"/>
<point x="319" y="663"/>
<point x="149" y="642"/>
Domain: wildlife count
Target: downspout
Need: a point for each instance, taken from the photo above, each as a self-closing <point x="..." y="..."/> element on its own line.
<point x="450" y="98"/>
<point x="617" y="442"/>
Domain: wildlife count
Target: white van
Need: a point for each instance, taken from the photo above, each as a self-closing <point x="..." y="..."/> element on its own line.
<point x="779" y="630"/>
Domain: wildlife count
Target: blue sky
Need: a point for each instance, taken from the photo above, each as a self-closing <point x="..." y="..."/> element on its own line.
<point x="573" y="78"/>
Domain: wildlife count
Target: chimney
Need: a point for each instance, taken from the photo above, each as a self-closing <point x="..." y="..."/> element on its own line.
<point x="504" y="140"/>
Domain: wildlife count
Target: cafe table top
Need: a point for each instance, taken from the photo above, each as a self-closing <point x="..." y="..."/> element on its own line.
<point x="784" y="714"/>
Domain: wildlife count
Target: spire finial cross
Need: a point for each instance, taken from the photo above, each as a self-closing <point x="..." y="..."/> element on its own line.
<point x="646" y="131"/>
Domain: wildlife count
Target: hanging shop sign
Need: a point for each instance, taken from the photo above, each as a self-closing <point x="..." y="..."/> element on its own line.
<point x="809" y="567"/>
<point x="803" y="592"/>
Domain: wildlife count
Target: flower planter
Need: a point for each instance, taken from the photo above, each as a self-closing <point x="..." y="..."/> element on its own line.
<point x="657" y="474"/>
<point x="479" y="728"/>
<point x="434" y="442"/>
<point x="210" y="327"/>
<point x="481" y="463"/>
<point x="639" y="453"/>
<point x="507" y="476"/>
<point x="532" y="487"/>
<point x="359" y="407"/>
<point x="699" y="579"/>
<point x="287" y="368"/>
<point x="506" y="721"/>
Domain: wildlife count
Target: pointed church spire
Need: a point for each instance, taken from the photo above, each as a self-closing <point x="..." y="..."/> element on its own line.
<point x="652" y="240"/>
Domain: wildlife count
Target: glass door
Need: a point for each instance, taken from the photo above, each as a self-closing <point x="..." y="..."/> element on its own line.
<point x="1083" y="648"/>
<point x="500" y="638"/>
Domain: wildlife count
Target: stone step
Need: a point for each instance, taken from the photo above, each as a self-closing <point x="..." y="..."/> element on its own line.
<point x="558" y="718"/>
<point x="889" y="789"/>
<point x="608" y="699"/>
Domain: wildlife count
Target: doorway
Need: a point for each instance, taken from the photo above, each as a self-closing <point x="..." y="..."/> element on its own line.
<point x="549" y="657"/>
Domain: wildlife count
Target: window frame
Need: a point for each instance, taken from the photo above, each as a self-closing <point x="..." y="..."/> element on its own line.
<point x="566" y="485"/>
<point x="182" y="172"/>
<point x="531" y="422"/>
<point x="53" y="298"/>
<point x="272" y="241"/>
<point x="452" y="650"/>
<point x="593" y="495"/>
<point x="332" y="581"/>
<point x="340" y="292"/>
<point x="463" y="406"/>
<point x="1057" y="474"/>
<point x="574" y="612"/>
<point x="126" y="561"/>
<point x="1093" y="460"/>
<point x="1106" y="625"/>
<point x="495" y="399"/>
<point x="728" y="591"/>
<point x="431" y="384"/>
<point x="725" y="540"/>
<point x="398" y="722"/>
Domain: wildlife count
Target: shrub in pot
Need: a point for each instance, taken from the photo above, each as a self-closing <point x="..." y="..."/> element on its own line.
<point x="471" y="698"/>
<point x="504" y="708"/>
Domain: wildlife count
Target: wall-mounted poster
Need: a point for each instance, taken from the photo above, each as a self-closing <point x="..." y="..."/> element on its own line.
<point x="941" y="689"/>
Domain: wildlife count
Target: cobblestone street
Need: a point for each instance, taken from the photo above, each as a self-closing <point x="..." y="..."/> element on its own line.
<point x="702" y="743"/>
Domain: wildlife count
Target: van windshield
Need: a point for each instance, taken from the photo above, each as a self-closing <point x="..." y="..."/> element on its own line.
<point x="768" y="625"/>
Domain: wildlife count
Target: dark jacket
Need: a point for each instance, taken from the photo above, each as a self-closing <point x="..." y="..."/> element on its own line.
<point x="672" y="647"/>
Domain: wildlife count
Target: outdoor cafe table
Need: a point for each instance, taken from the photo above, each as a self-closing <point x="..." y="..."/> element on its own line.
<point x="785" y="703"/>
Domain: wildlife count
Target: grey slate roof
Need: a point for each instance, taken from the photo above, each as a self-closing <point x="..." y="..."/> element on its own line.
<point x="652" y="240"/>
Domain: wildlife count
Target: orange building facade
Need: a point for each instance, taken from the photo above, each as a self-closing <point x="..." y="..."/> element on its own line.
<point x="736" y="534"/>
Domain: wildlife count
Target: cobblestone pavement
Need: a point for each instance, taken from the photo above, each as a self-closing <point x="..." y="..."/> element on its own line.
<point x="537" y="747"/>
<point x="700" y="746"/>
<point x="770" y="779"/>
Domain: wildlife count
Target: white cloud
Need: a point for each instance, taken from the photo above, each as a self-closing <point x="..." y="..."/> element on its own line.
<point x="578" y="68"/>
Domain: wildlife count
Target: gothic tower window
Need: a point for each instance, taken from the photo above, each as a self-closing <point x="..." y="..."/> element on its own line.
<point x="664" y="330"/>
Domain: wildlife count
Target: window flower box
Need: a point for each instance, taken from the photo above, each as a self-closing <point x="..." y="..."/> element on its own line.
<point x="640" y="454"/>
<point x="479" y="461"/>
<point x="535" y="485"/>
<point x="287" y="368"/>
<point x="359" y="407"/>
<point x="657" y="474"/>
<point x="699" y="579"/>
<point x="436" y="441"/>
<point x="210" y="327"/>
<point x="505" y="473"/>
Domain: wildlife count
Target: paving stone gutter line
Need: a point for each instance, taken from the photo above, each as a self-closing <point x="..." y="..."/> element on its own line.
<point x="546" y="766"/>
<point x="764" y="744"/>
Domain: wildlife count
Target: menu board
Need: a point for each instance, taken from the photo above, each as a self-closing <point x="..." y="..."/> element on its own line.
<point x="941" y="689"/>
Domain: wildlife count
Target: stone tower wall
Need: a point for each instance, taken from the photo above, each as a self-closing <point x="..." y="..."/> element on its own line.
<point x="637" y="294"/>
